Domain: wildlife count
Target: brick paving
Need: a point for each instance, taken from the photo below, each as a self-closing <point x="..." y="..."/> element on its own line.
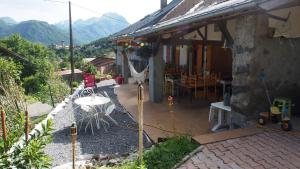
<point x="269" y="149"/>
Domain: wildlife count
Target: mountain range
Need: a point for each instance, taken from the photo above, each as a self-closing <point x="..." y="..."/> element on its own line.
<point x="84" y="31"/>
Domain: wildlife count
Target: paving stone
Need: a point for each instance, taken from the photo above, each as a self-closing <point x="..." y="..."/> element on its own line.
<point x="267" y="150"/>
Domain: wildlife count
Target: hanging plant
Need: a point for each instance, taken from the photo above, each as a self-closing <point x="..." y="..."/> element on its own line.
<point x="144" y="51"/>
<point x="89" y="68"/>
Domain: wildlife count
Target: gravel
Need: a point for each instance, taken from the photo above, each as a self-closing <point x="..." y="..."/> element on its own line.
<point x="121" y="139"/>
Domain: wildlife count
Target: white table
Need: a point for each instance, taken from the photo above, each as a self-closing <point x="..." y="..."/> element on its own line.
<point x="91" y="102"/>
<point x="221" y="113"/>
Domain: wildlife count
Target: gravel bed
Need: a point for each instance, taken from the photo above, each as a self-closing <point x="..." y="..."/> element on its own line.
<point x="121" y="139"/>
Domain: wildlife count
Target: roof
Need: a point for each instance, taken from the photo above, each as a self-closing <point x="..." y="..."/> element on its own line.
<point x="146" y="21"/>
<point x="102" y="61"/>
<point x="185" y="13"/>
<point x="68" y="72"/>
<point x="88" y="59"/>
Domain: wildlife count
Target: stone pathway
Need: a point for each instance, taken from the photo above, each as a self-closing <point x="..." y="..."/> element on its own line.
<point x="269" y="149"/>
<point x="38" y="109"/>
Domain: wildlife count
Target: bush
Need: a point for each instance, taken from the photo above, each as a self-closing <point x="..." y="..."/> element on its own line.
<point x="30" y="155"/>
<point x="89" y="68"/>
<point x="58" y="88"/>
<point x="33" y="83"/>
<point x="164" y="155"/>
<point x="75" y="84"/>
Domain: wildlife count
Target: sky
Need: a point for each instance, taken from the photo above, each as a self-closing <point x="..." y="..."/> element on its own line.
<point x="53" y="12"/>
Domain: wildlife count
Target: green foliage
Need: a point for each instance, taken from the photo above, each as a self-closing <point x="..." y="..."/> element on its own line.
<point x="37" y="120"/>
<point x="36" y="31"/>
<point x="56" y="87"/>
<point x="164" y="155"/>
<point x="89" y="68"/>
<point x="75" y="84"/>
<point x="30" y="155"/>
<point x="98" y="48"/>
<point x="9" y="68"/>
<point x="33" y="83"/>
<point x="36" y="76"/>
<point x="167" y="154"/>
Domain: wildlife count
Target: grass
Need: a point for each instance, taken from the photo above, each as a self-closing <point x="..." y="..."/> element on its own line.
<point x="37" y="120"/>
<point x="30" y="99"/>
<point x="164" y="155"/>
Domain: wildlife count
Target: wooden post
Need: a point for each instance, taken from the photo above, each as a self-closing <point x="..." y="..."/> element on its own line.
<point x="170" y="99"/>
<point x="26" y="126"/>
<point x="74" y="137"/>
<point x="3" y="120"/>
<point x="140" y="113"/>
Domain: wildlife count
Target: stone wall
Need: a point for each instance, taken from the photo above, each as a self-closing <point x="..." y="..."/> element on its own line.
<point x="156" y="76"/>
<point x="255" y="52"/>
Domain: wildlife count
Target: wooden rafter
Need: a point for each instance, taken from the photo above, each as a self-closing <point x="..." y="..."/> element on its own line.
<point x="225" y="32"/>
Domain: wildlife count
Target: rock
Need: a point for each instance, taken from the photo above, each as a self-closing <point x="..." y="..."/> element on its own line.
<point x="125" y="154"/>
<point x="81" y="167"/>
<point x="96" y="157"/>
<point x="104" y="162"/>
<point x="103" y="157"/>
<point x="94" y="162"/>
<point x="113" y="161"/>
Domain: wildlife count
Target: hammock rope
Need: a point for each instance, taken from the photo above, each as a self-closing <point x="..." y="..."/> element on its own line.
<point x="138" y="76"/>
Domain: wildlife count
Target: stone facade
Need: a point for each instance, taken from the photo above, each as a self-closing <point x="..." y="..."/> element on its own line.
<point x="255" y="53"/>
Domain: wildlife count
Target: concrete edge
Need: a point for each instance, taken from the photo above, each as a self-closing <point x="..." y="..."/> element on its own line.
<point x="190" y="155"/>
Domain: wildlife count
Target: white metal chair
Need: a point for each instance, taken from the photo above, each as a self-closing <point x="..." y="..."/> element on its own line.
<point x="108" y="111"/>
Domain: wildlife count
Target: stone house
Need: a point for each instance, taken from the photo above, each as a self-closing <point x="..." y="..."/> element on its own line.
<point x="104" y="65"/>
<point x="242" y="39"/>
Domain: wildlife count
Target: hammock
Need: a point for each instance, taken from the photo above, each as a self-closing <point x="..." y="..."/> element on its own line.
<point x="139" y="77"/>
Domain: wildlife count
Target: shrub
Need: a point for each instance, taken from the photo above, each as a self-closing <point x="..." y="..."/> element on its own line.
<point x="75" y="84"/>
<point x="89" y="68"/>
<point x="30" y="155"/>
<point x="33" y="83"/>
<point x="164" y="155"/>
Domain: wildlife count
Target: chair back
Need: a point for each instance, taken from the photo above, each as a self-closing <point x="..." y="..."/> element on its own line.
<point x="105" y="94"/>
<point x="87" y="92"/>
<point x="89" y="80"/>
<point x="110" y="109"/>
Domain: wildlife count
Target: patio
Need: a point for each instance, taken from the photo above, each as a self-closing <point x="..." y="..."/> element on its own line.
<point x="189" y="118"/>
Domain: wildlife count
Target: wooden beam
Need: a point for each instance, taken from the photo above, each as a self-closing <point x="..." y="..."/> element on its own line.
<point x="200" y="34"/>
<point x="280" y="18"/>
<point x="225" y="32"/>
<point x="190" y="42"/>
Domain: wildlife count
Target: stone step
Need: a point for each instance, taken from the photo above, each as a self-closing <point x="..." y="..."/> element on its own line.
<point x="225" y="135"/>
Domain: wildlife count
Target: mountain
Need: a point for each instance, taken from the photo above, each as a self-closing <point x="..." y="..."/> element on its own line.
<point x="35" y="31"/>
<point x="84" y="31"/>
<point x="95" y="28"/>
<point x="8" y="20"/>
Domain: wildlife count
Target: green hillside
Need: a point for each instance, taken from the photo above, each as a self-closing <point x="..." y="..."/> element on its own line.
<point x="84" y="31"/>
<point x="34" y="31"/>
